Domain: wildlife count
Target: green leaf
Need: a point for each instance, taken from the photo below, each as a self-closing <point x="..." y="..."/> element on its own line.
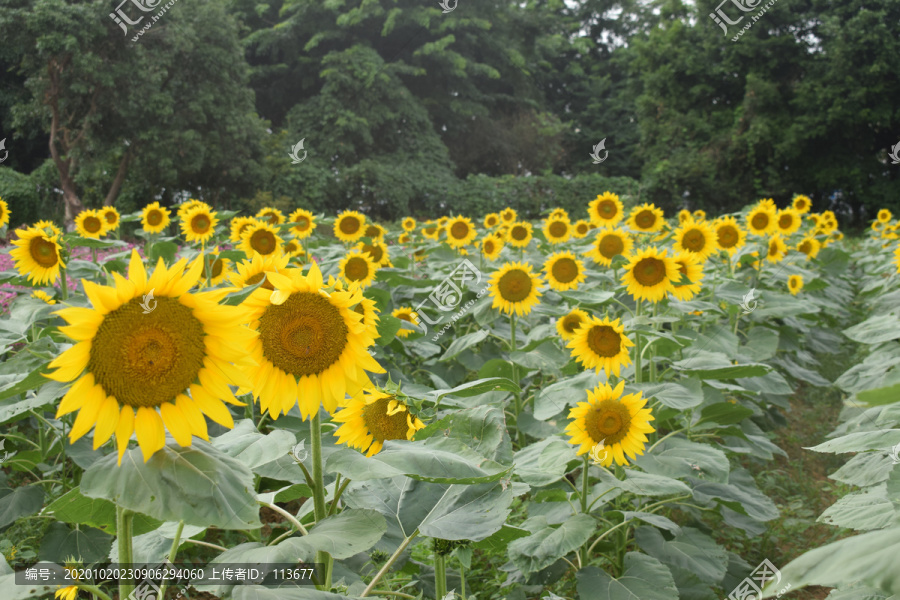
<point x="880" y="396"/>
<point x="496" y="367"/>
<point x="546" y="357"/>
<point x="544" y="462"/>
<point x="164" y="250"/>
<point x="73" y="507"/>
<point x="463" y="343"/>
<point x="199" y="485"/>
<point x="548" y="544"/>
<point x="645" y="578"/>
<point x="715" y="365"/>
<point x="245" y="443"/>
<point x="85" y="543"/>
<point x="676" y="457"/>
<point x="865" y="510"/>
<point x="556" y="397"/>
<point x="875" y="330"/>
<point x="20" y="502"/>
<point x="499" y="541"/>
<point x="740" y="494"/>
<point x="861" y="441"/>
<point x="685" y="394"/>
<point x="30" y="381"/>
<point x="476" y="388"/>
<point x="482" y="427"/>
<point x="388" y="326"/>
<point x="725" y="413"/>
<point x="693" y="551"/>
<point x="644" y="484"/>
<point x="342" y="536"/>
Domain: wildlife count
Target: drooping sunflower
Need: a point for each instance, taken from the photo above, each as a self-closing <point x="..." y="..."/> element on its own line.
<point x="564" y="271"/>
<point x="252" y="271"/>
<point x="646" y="218"/>
<point x="697" y="238"/>
<point x="37" y="255"/>
<point x="729" y="235"/>
<point x="491" y="220"/>
<point x="431" y="230"/>
<point x="111" y="216"/>
<point x="684" y="215"/>
<point x="305" y="223"/>
<point x="649" y="274"/>
<point x="372" y="418"/>
<point x="185" y="207"/>
<point x="292" y="248"/>
<point x="150" y="357"/>
<point x="350" y="226"/>
<point x="606" y="210"/>
<point x="691" y="269"/>
<point x="491" y="247"/>
<point x="762" y="220"/>
<point x="4" y="213"/>
<point x="509" y="215"/>
<point x="460" y="231"/>
<point x="155" y="218"/>
<point x="48" y="227"/>
<point x="408" y="224"/>
<point x="375" y="232"/>
<point x="581" y="229"/>
<point x="378" y="252"/>
<point x="699" y="215"/>
<point x="795" y="284"/>
<point x="557" y="230"/>
<point x="239" y="225"/>
<point x="777" y="249"/>
<point x="199" y="224"/>
<point x="90" y="224"/>
<point x="620" y="422"/>
<point x="514" y="288"/>
<point x="569" y="324"/>
<point x="406" y="313"/>
<point x="404" y="238"/>
<point x="788" y="220"/>
<point x="884" y="216"/>
<point x="520" y="234"/>
<point x="67" y="592"/>
<point x="358" y="266"/>
<point x="442" y="222"/>
<point x="42" y="295"/>
<point x="609" y="244"/>
<point x="601" y="344"/>
<point x="802" y="204"/>
<point x="271" y="215"/>
<point x="558" y="213"/>
<point x="312" y="345"/>
<point x="261" y="238"/>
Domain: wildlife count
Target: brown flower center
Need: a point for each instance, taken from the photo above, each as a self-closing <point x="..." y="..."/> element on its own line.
<point x="649" y="271"/>
<point x="604" y="341"/>
<point x="608" y="422"/>
<point x="565" y="270"/>
<point x="515" y="285"/>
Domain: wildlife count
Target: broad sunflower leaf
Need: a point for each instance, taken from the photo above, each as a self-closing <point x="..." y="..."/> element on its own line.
<point x="342" y="536"/>
<point x="544" y="462"/>
<point x="677" y="457"/>
<point x="546" y="357"/>
<point x="475" y="388"/>
<point x="692" y="550"/>
<point x="864" y="510"/>
<point x="685" y="394"/>
<point x="739" y="494"/>
<point x="74" y="507"/>
<point x="644" y="484"/>
<point x="645" y="578"/>
<point x="85" y="543"/>
<point x="861" y="441"/>
<point x="548" y="544"/>
<point x="481" y="427"/>
<point x="13" y="591"/>
<point x="876" y="329"/>
<point x="462" y="343"/>
<point x="880" y="396"/>
<point x="556" y="397"/>
<point x="19" y="502"/>
<point x="245" y="443"/>
<point x="715" y="365"/>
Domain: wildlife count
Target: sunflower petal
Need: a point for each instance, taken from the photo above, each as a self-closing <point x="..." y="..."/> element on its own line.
<point x="151" y="433"/>
<point x="107" y="419"/>
<point x="176" y="423"/>
<point x="124" y="429"/>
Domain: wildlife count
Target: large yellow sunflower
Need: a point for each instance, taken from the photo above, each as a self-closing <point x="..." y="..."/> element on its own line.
<point x="4" y="213"/>
<point x="795" y="284"/>
<point x="691" y="268"/>
<point x="185" y="207"/>
<point x="520" y="234"/>
<point x="271" y="215"/>
<point x="581" y="228"/>
<point x="239" y="225"/>
<point x="761" y="220"/>
<point x="491" y="247"/>
<point x="261" y="238"/>
<point x="569" y="324"/>
<point x="408" y="224"/>
<point x="809" y="246"/>
<point x="37" y="255"/>
<point x="90" y="224"/>
<point x="729" y="235"/>
<point x="305" y="223"/>
<point x="358" y="267"/>
<point x="199" y="224"/>
<point x="515" y="289"/>
<point x="350" y="226"/>
<point x="646" y="218"/>
<point x="460" y="231"/>
<point x="606" y="210"/>
<point x="111" y="216"/>
<point x="372" y="418"/>
<point x="491" y="220"/>
<point x="601" y="344"/>
<point x="609" y="244"/>
<point x="787" y="221"/>
<point x="155" y="218"/>
<point x="802" y="204"/>
<point x="564" y="271"/>
<point x="697" y="238"/>
<point x="619" y="422"/>
<point x="312" y="345"/>
<point x="150" y="356"/>
<point x="557" y="230"/>
<point x="649" y="274"/>
<point x="252" y="271"/>
<point x="509" y="215"/>
<point x="405" y="313"/>
<point x="377" y="251"/>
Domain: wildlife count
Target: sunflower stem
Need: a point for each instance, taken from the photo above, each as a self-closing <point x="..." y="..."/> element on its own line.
<point x="584" y="505"/>
<point x="172" y="552"/>
<point x="64" y="284"/>
<point x="94" y="591"/>
<point x="440" y="576"/>
<point x="520" y="438"/>
<point x="319" y="491"/>
<point x="123" y="538"/>
<point x="638" y="368"/>
<point x="653" y="349"/>
<point x="386" y="567"/>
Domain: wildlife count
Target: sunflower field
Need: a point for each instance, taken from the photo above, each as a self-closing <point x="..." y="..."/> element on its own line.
<point x="478" y="406"/>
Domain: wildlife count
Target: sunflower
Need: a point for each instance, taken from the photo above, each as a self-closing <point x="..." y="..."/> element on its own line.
<point x="4" y="213"/>
<point x="373" y="418"/>
<point x="305" y="223"/>
<point x="761" y="220"/>
<point x="68" y="592"/>
<point x="620" y="422"/>
<point x="252" y="271"/>
<point x="646" y="218"/>
<point x="405" y="313"/>
<point x="884" y="216"/>
<point x="609" y="244"/>
<point x="491" y="247"/>
<point x="378" y="252"/>
<point x="691" y="268"/>
<point x="270" y="215"/>
<point x="185" y="207"/>
<point x="42" y="295"/>
<point x="683" y="216"/>
<point x="293" y="248"/>
<point x="509" y="215"/>
<point x="606" y="210"/>
<point x="580" y="229"/>
<point x="155" y="218"/>
<point x="147" y="371"/>
<point x="199" y="224"/>
<point x="37" y="255"/>
<point x="558" y="213"/>
<point x="261" y="238"/>
<point x="649" y="275"/>
<point x="557" y="230"/>
<point x="514" y="288"/>
<point x="90" y="224"/>
<point x="897" y="258"/>
<point x="564" y="271"/>
<point x="219" y="269"/>
<point x="442" y="222"/>
<point x="404" y="238"/>
<point x="366" y="308"/>
<point x="801" y="204"/>
<point x="795" y="284"/>
<point x="601" y="344"/>
<point x="312" y="345"/>
<point x="788" y="220"/>
<point x="358" y="267"/>
<point x="375" y="232"/>
<point x="699" y="215"/>
<point x="48" y="225"/>
<point x="729" y="235"/>
<point x="460" y="231"/>
<point x="878" y="225"/>
<point x="697" y="238"/>
<point x="350" y="226"/>
<point x="569" y="324"/>
<point x="777" y="249"/>
<point x="111" y="216"/>
<point x="431" y="230"/>
<point x="239" y="225"/>
<point x="519" y="234"/>
<point x="408" y="224"/>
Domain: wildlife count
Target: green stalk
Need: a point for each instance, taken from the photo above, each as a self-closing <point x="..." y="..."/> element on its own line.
<point x="520" y="438"/>
<point x="123" y="538"/>
<point x="94" y="591"/>
<point x="319" y="492"/>
<point x="462" y="581"/>
<point x="388" y="564"/>
<point x="65" y="284"/>
<point x="172" y="552"/>
<point x="440" y="576"/>
<point x="584" y="505"/>
<point x="638" y="368"/>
